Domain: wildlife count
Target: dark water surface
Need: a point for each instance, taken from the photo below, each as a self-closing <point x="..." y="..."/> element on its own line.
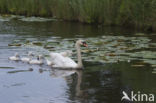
<point x="117" y="60"/>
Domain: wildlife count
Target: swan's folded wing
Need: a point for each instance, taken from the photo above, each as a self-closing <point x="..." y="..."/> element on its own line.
<point x="68" y="62"/>
<point x="61" y="61"/>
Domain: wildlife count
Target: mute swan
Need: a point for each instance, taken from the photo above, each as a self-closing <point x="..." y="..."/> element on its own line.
<point x="65" y="54"/>
<point x="60" y="61"/>
<point x="39" y="60"/>
<point x="27" y="59"/>
<point x="15" y="58"/>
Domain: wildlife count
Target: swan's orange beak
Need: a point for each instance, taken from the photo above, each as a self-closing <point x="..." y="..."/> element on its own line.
<point x="84" y="44"/>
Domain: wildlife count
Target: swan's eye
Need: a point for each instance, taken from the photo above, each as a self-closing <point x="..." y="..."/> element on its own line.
<point x="84" y="44"/>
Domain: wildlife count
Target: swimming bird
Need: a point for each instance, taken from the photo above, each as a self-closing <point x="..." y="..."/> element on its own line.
<point x="15" y="58"/>
<point x="60" y="61"/>
<point x="27" y="59"/>
<point x="39" y="60"/>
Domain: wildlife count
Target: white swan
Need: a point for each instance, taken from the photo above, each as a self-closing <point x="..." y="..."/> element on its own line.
<point x="65" y="54"/>
<point x="15" y="58"/>
<point x="27" y="59"/>
<point x="39" y="60"/>
<point x="60" y="61"/>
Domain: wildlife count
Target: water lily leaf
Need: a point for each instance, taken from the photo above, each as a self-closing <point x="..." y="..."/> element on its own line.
<point x="14" y="44"/>
<point x="140" y="34"/>
<point x="154" y="65"/>
<point x="48" y="47"/>
<point x="120" y="40"/>
<point x="137" y="65"/>
<point x="150" y="61"/>
<point x="7" y="68"/>
<point x="37" y="43"/>
<point x="154" y="71"/>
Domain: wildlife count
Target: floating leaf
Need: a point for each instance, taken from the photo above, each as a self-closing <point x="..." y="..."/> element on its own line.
<point x="137" y="65"/>
<point x="37" y="43"/>
<point x="6" y="67"/>
<point x="153" y="65"/>
<point x="112" y="54"/>
<point x="14" y="44"/>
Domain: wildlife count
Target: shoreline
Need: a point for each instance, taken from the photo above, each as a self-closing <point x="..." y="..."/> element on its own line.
<point x="99" y="25"/>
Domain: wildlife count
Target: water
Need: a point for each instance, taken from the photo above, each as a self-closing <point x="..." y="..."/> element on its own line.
<point x="117" y="60"/>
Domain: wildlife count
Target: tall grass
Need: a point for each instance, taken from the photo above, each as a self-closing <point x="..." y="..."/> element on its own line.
<point x="138" y="13"/>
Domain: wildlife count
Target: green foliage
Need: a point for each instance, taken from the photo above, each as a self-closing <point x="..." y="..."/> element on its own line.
<point x="138" y="13"/>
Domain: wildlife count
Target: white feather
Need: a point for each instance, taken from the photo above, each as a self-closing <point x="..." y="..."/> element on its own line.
<point x="36" y="62"/>
<point x="25" y="59"/>
<point x="61" y="61"/>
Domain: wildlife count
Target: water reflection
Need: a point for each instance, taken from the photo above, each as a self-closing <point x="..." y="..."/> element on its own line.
<point x="72" y="77"/>
<point x="86" y="87"/>
<point x="16" y="71"/>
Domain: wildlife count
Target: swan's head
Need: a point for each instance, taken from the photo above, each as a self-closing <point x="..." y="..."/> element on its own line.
<point x="81" y="42"/>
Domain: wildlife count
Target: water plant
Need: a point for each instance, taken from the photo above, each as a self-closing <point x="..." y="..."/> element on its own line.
<point x="137" y="13"/>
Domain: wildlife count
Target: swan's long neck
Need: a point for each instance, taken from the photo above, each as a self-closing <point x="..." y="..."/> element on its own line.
<point x="80" y="65"/>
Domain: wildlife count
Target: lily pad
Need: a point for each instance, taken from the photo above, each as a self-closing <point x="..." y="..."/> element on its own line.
<point x="137" y="65"/>
<point x="37" y="43"/>
<point x="6" y="67"/>
<point x="14" y="44"/>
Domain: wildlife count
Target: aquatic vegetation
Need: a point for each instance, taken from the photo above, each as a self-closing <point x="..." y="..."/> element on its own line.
<point x="26" y="19"/>
<point x="36" y="19"/>
<point x="6" y="67"/>
<point x="14" y="44"/>
<point x="105" y="12"/>
<point x="38" y="43"/>
<point x="104" y="49"/>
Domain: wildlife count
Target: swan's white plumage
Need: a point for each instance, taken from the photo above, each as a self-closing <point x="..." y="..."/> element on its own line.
<point x="15" y="58"/>
<point x="25" y="59"/>
<point x="36" y="62"/>
<point x="61" y="61"/>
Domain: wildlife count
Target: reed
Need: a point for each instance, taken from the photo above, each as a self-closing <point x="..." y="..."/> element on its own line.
<point x="137" y="13"/>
